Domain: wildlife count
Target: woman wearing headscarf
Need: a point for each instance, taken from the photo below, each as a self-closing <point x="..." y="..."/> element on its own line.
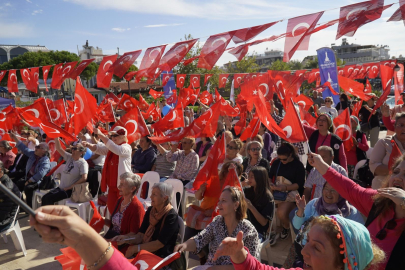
<point x="117" y="161"/>
<point x="360" y="146"/>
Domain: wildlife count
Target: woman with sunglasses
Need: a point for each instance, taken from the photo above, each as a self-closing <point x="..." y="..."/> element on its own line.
<point x="118" y="161"/>
<point x="254" y="158"/>
<point x="328" y="108"/>
<point x="288" y="166"/>
<point x="323" y="135"/>
<point x="31" y="141"/>
<point x="384" y="208"/>
<point x="232" y="152"/>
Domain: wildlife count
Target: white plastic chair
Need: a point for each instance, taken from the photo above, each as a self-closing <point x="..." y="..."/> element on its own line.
<point x="152" y="178"/>
<point x="358" y="165"/>
<point x="266" y="243"/>
<point x="16" y="235"/>
<point x="83" y="208"/>
<point x="177" y="188"/>
<point x="186" y="198"/>
<point x="369" y="152"/>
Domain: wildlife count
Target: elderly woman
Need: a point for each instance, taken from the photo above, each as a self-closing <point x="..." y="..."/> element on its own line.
<point x="232" y="152"/>
<point x="129" y="211"/>
<point x="384" y="208"/>
<point x="143" y="158"/>
<point x="159" y="228"/>
<point x="117" y="161"/>
<point x="6" y="155"/>
<point x="328" y="108"/>
<point x="75" y="173"/>
<point x="383" y="153"/>
<point x="254" y="158"/>
<point x="231" y="220"/>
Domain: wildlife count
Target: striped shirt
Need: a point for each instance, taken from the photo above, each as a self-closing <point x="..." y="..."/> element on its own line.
<point x="162" y="166"/>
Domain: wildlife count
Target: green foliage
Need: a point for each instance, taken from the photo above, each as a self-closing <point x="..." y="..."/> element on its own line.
<point x="279" y="65"/>
<point x="246" y="65"/>
<point x="312" y="64"/>
<point x="295" y="65"/>
<point x="131" y="68"/>
<point x="89" y="72"/>
<point x="21" y="104"/>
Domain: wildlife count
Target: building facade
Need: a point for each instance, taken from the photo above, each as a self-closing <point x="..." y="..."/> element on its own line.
<point x="263" y="60"/>
<point x="8" y="52"/>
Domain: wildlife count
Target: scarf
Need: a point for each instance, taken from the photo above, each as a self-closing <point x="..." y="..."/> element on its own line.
<point x="110" y="172"/>
<point x="342" y="207"/>
<point x="250" y="167"/>
<point x="154" y="218"/>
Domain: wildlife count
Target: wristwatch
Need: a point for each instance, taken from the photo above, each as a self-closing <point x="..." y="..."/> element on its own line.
<point x="403" y="203"/>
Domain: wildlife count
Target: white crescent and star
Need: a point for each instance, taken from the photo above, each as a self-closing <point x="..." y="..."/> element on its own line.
<point x="135" y="126"/>
<point x="266" y="86"/>
<point x="4" y="117"/>
<point x="174" y="116"/>
<point x="108" y="62"/>
<point x="302" y="102"/>
<point x="125" y="104"/>
<point x="142" y="264"/>
<point x="346" y="127"/>
<point x="219" y="39"/>
<point x="79" y="98"/>
<point x="35" y="111"/>
<point x="354" y="11"/>
<point x="41" y="125"/>
<point x="28" y="75"/>
<point x="288" y="131"/>
<point x="57" y="114"/>
<point x="303" y="24"/>
<point x="156" y="49"/>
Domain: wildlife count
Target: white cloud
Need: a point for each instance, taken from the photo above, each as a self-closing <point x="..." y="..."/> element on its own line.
<point x="29" y="1"/>
<point x="38" y="11"/>
<point x="120" y="30"/>
<point x="15" y="30"/>
<point x="7" y="4"/>
<point x="163" y="25"/>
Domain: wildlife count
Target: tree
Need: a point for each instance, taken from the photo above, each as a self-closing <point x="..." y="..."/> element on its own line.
<point x="246" y="65"/>
<point x="295" y="65"/>
<point x="279" y="65"/>
<point x="89" y="72"/>
<point x="131" y="68"/>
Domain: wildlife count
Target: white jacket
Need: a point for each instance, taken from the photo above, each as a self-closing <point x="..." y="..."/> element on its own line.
<point x="124" y="151"/>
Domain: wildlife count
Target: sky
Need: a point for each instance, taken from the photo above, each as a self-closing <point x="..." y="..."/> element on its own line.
<point x="139" y="24"/>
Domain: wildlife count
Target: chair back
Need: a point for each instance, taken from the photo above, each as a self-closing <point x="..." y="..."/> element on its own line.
<point x="177" y="188"/>
<point x="147" y="182"/>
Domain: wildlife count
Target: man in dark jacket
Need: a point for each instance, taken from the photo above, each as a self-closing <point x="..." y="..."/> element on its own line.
<point x="8" y="208"/>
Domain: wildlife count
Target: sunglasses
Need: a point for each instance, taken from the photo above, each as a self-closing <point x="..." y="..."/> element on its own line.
<point x="327" y="101"/>
<point x="114" y="136"/>
<point x="390" y="225"/>
<point x="38" y="147"/>
<point x="24" y="133"/>
<point x="255" y="149"/>
<point x="74" y="148"/>
<point x="231" y="147"/>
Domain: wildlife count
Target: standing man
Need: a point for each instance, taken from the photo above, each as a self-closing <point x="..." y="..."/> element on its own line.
<point x="370" y="127"/>
<point x="317" y="99"/>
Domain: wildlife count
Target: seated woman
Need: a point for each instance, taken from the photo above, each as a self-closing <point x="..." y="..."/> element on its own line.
<point x="288" y="166"/>
<point x="384" y="208"/>
<point x="259" y="200"/>
<point x="129" y="211"/>
<point x="352" y="249"/>
<point x="144" y="157"/>
<point x="159" y="229"/>
<point x="259" y="138"/>
<point x="254" y="158"/>
<point x="163" y="166"/>
<point x="8" y="208"/>
<point x="231" y="219"/>
<point x="232" y="152"/>
<point x="203" y="148"/>
<point x="75" y="172"/>
<point x="6" y="154"/>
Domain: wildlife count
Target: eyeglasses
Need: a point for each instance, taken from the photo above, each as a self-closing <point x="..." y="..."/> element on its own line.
<point x="255" y="149"/>
<point x="231" y="147"/>
<point x="38" y="147"/>
<point x="74" y="148"/>
<point x="390" y="225"/>
<point x="330" y="190"/>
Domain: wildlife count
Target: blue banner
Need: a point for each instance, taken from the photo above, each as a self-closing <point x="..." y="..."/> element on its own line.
<point x="5" y="102"/>
<point x="328" y="72"/>
<point x="167" y="89"/>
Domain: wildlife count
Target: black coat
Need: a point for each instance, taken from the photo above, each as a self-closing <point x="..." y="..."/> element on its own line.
<point x="8" y="208"/>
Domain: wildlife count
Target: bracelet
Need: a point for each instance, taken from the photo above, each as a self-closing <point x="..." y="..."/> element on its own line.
<point x="101" y="257"/>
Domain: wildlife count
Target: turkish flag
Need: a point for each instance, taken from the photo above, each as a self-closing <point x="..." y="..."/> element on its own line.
<point x="85" y="108"/>
<point x="155" y="94"/>
<point x="70" y="106"/>
<point x="373" y="71"/>
<point x="343" y="129"/>
<point x="395" y="154"/>
<point x="106" y="113"/>
<point x="386" y="74"/>
<point x="123" y="63"/>
<point x="240" y="51"/>
<point x="206" y="78"/>
<point x="190" y="60"/>
<point x="222" y="80"/>
<point x="353" y="87"/>
<point x="389" y="63"/>
<point x="213" y="48"/>
<point x="166" y="77"/>
<point x="127" y="103"/>
<point x="135" y="125"/>
<point x="45" y="73"/>
<point x="69" y="259"/>
<point x="12" y="84"/>
<point x="185" y="96"/>
<point x="245" y="34"/>
<point x="54" y="155"/>
<point x="79" y="69"/>
<point x="110" y="98"/>
<point x="313" y="75"/>
<point x="208" y="121"/>
<point x="356" y="15"/>
<point x="104" y="75"/>
<point x="298" y="33"/>
<point x="29" y="80"/>
<point x="173" y="98"/>
<point x="226" y="108"/>
<point x="206" y="98"/>
<point x="2" y="74"/>
<point x="292" y="126"/>
<point x="399" y="14"/>
<point x="307" y="118"/>
<point x="172" y="120"/>
<point x="9" y="118"/>
<point x="238" y="79"/>
<point x="150" y="61"/>
<point x="180" y="79"/>
<point x="195" y="81"/>
<point x="62" y="74"/>
<point x="176" y="53"/>
<point x="56" y="75"/>
<point x="251" y="130"/>
<point x="356" y="108"/>
<point x="142" y="104"/>
<point x="355" y="72"/>
<point x="148" y="261"/>
<point x="303" y="101"/>
<point x="39" y="109"/>
<point x="367" y="89"/>
<point x="97" y="221"/>
<point x="57" y="111"/>
<point x="152" y="111"/>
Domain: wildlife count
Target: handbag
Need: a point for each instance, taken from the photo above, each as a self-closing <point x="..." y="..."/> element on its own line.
<point x="283" y="195"/>
<point x="47" y="183"/>
<point x="102" y="200"/>
<point x="196" y="218"/>
<point x="81" y="193"/>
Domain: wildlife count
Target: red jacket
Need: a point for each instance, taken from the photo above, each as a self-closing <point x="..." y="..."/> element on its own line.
<point x="133" y="216"/>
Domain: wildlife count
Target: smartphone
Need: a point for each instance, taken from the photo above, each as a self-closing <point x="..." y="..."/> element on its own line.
<point x="17" y="200"/>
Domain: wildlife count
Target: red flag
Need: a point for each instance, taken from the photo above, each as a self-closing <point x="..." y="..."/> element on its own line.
<point x="97" y="221"/>
<point x="155" y="94"/>
<point x="56" y="75"/>
<point x="12" y="84"/>
<point x="399" y="14"/>
<point x="303" y="101"/>
<point x="353" y="87"/>
<point x="85" y="108"/>
<point x="166" y="78"/>
<point x="39" y="109"/>
<point x="54" y="155"/>
<point x="195" y="81"/>
<point x="356" y="108"/>
<point x="238" y="78"/>
<point x="343" y="128"/>
<point x="150" y="61"/>
<point x="252" y="129"/>
<point x="245" y="34"/>
<point x="367" y="89"/>
<point x="152" y="111"/>
<point x="298" y="33"/>
<point x="9" y="118"/>
<point x="135" y="125"/>
<point x="173" y="119"/>
<point x="395" y="154"/>
<point x="104" y="75"/>
<point x="148" y="261"/>
<point x="62" y="74"/>
<point x="180" y="79"/>
<point x="206" y="98"/>
<point x="57" y="112"/>
<point x="176" y="53"/>
<point x="206" y="78"/>
<point x="240" y="51"/>
<point x="222" y="80"/>
<point x="2" y="74"/>
<point x="173" y="98"/>
<point x="356" y="15"/>
<point x="110" y="98"/>
<point x="307" y="118"/>
<point x="28" y="80"/>
<point x="373" y="71"/>
<point x="79" y="69"/>
<point x="399" y="82"/>
<point x="106" y="113"/>
<point x="70" y="106"/>
<point x="190" y="60"/>
<point x="127" y="103"/>
<point x="69" y="259"/>
<point x="122" y="64"/>
<point x="45" y="73"/>
<point x="213" y="48"/>
<point x="292" y="126"/>
<point x="386" y="74"/>
<point x="142" y="104"/>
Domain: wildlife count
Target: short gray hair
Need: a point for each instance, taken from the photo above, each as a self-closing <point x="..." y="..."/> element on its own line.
<point x="248" y="147"/>
<point x="132" y="179"/>
<point x="6" y="145"/>
<point x="165" y="190"/>
<point x="326" y="149"/>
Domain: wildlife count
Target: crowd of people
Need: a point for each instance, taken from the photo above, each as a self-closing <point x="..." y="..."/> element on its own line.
<point x="338" y="224"/>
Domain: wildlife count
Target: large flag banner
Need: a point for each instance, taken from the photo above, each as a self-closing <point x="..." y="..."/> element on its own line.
<point x="170" y="84"/>
<point x="328" y="72"/>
